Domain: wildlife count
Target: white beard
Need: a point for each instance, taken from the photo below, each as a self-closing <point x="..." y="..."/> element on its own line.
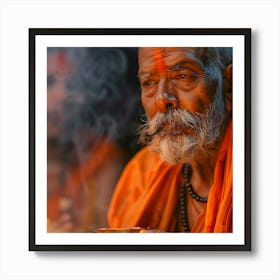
<point x="164" y="132"/>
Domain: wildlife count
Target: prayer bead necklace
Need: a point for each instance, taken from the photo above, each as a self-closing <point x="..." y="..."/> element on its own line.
<point x="187" y="171"/>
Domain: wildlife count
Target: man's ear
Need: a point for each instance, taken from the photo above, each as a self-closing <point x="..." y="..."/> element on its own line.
<point x="228" y="87"/>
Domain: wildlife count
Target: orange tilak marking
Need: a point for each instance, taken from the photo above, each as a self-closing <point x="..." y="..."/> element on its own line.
<point x="159" y="61"/>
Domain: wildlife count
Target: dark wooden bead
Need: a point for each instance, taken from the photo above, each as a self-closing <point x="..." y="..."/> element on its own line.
<point x="187" y="172"/>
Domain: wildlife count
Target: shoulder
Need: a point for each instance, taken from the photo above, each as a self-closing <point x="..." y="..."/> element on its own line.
<point x="144" y="159"/>
<point x="141" y="168"/>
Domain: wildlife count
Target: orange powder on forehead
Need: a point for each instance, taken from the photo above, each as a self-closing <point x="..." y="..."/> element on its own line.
<point x="159" y="60"/>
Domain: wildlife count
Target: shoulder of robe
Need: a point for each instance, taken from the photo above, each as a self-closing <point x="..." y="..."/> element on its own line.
<point x="145" y="159"/>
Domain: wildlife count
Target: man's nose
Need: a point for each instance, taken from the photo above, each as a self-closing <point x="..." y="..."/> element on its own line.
<point x="165" y="100"/>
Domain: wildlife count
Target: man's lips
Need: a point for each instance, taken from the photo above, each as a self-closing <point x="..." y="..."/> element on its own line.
<point x="188" y="130"/>
<point x="173" y="131"/>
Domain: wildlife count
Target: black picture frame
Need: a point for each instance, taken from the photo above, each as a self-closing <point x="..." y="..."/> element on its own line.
<point x="233" y="33"/>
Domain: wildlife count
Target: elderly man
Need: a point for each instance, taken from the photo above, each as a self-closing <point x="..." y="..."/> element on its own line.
<point x="182" y="180"/>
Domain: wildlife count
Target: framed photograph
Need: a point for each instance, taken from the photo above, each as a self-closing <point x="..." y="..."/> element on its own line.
<point x="140" y="139"/>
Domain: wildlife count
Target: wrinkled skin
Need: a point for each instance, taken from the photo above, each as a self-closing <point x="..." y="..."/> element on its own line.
<point x="174" y="77"/>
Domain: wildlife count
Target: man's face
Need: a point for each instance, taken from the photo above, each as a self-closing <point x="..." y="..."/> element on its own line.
<point x="184" y="106"/>
<point x="173" y="77"/>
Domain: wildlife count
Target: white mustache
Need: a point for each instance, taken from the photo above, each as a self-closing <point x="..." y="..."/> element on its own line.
<point x="174" y="120"/>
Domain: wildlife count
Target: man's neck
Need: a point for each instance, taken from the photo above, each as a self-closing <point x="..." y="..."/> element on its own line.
<point x="203" y="166"/>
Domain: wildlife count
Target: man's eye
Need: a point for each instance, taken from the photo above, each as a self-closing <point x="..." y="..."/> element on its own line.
<point x="182" y="76"/>
<point x="187" y="75"/>
<point x="149" y="83"/>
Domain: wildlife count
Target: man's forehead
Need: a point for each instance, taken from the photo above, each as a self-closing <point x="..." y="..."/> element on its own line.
<point x="162" y="58"/>
<point x="151" y="51"/>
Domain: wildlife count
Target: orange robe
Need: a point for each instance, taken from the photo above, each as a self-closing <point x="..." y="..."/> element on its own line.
<point x="147" y="193"/>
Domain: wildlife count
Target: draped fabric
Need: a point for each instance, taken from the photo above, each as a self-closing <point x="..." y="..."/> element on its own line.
<point x="147" y="193"/>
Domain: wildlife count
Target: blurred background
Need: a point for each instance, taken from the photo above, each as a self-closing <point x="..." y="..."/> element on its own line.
<point x="93" y="113"/>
